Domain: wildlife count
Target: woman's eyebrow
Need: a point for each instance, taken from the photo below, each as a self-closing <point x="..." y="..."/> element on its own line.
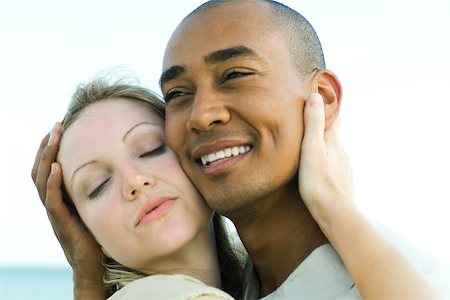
<point x="78" y="169"/>
<point x="146" y="123"/>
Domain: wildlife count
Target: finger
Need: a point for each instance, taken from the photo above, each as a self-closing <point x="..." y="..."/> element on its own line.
<point x="332" y="133"/>
<point x="37" y="159"/>
<point x="314" y="118"/>
<point x="66" y="225"/>
<point x="54" y="203"/>
<point x="48" y="156"/>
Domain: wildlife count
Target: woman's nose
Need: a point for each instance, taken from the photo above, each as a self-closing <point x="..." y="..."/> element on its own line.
<point x="135" y="183"/>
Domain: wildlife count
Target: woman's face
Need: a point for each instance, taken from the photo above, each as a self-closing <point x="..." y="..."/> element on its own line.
<point x="128" y="186"/>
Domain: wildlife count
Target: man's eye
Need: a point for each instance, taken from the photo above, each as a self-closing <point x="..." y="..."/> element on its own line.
<point x="155" y="152"/>
<point x="99" y="190"/>
<point x="172" y="95"/>
<point x="236" y="74"/>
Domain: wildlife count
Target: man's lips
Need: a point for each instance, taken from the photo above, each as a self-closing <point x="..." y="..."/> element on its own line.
<point x="153" y="209"/>
<point x="208" y="153"/>
<point x="225" y="153"/>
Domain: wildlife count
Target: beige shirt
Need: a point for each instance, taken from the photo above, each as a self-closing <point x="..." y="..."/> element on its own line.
<point x="322" y="275"/>
<point x="167" y="287"/>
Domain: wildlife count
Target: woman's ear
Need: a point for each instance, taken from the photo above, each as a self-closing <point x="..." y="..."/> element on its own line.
<point x="327" y="84"/>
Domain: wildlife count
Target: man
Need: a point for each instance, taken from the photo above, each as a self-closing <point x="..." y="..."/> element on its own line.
<point x="236" y="75"/>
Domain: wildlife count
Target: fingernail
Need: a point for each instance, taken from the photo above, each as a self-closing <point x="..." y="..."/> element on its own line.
<point x="55" y="128"/>
<point x="52" y="169"/>
<point x="314" y="99"/>
<point x="51" y="139"/>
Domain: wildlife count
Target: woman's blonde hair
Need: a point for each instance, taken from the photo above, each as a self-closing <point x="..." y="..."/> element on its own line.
<point x="116" y="275"/>
<point x="100" y="89"/>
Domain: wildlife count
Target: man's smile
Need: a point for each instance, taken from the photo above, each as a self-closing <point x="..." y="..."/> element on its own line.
<point x="225" y="153"/>
<point x="215" y="158"/>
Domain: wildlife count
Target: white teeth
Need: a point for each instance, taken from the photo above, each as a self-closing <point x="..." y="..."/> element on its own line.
<point x="220" y="154"/>
<point x="225" y="153"/>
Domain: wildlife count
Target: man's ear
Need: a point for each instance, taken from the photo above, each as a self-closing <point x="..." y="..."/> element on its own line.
<point x="327" y="84"/>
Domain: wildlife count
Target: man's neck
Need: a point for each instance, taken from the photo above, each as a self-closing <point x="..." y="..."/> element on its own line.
<point x="278" y="233"/>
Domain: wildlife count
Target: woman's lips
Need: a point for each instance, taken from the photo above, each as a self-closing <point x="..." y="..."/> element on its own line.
<point x="154" y="209"/>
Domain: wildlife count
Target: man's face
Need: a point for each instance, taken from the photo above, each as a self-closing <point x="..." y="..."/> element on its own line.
<point x="234" y="105"/>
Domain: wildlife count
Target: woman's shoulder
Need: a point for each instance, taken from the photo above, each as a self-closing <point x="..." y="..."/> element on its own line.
<point x="167" y="287"/>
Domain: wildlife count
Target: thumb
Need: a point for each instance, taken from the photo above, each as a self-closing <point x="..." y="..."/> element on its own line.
<point x="314" y="118"/>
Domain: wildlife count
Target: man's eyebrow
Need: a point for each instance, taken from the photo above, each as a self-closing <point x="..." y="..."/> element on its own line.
<point x="225" y="54"/>
<point x="212" y="58"/>
<point x="172" y="73"/>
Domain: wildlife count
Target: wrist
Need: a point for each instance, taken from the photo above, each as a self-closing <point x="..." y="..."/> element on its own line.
<point x="92" y="294"/>
<point x="333" y="216"/>
<point x="88" y="287"/>
<point x="342" y="223"/>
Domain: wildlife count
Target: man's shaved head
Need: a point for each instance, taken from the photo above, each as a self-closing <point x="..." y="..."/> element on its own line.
<point x="302" y="41"/>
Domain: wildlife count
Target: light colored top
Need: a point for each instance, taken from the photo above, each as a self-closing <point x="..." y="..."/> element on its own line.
<point x="322" y="275"/>
<point x="167" y="287"/>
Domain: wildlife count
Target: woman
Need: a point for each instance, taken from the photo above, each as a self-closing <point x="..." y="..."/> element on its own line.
<point x="366" y="257"/>
<point x="131" y="193"/>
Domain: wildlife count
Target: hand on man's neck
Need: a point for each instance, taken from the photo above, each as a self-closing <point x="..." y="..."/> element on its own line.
<point x="279" y="233"/>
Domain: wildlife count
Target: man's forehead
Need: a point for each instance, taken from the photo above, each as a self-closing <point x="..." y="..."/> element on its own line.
<point x="227" y="21"/>
<point x="219" y="28"/>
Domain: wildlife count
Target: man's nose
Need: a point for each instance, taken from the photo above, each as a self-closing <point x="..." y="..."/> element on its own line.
<point x="136" y="182"/>
<point x="208" y="110"/>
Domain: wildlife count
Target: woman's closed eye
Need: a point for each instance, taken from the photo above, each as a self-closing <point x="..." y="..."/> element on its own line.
<point x="154" y="152"/>
<point x="99" y="190"/>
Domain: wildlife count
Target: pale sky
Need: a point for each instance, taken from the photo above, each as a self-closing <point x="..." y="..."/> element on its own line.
<point x="392" y="58"/>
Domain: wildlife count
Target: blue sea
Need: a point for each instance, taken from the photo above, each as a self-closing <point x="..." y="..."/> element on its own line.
<point x="49" y="283"/>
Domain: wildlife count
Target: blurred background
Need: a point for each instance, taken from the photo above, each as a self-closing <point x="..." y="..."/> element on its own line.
<point x="392" y="58"/>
